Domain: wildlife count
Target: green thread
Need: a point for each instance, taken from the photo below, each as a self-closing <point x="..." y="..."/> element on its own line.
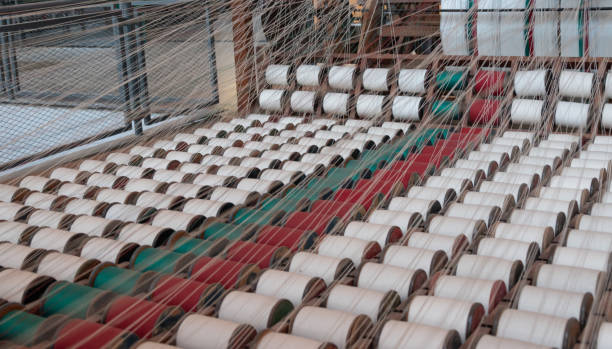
<point x="161" y="261"/>
<point x="20" y="327"/>
<point x="118" y="280"/>
<point x="69" y="299"/>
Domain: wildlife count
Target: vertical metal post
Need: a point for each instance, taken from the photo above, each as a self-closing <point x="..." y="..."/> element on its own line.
<point x="212" y="57"/>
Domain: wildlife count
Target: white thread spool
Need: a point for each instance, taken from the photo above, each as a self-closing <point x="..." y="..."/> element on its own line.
<point x="526" y="233"/>
<point x="237" y="171"/>
<point x="240" y="136"/>
<point x="194" y="333"/>
<point x="606" y="147"/>
<point x="9" y="193"/>
<point x="213" y="180"/>
<point x="553" y="162"/>
<point x="568" y="182"/>
<point x="543" y="171"/>
<point x="37" y="183"/>
<point x="341" y="77"/>
<point x="591" y="240"/>
<point x="277" y="74"/>
<point x="169" y="176"/>
<point x="191" y="138"/>
<point x="504" y="201"/>
<point x="306" y="168"/>
<point x="510" y="250"/>
<point x="415" y="258"/>
<point x="526" y="111"/>
<point x="424" y="207"/>
<point x="606" y="116"/>
<point x="327" y="268"/>
<point x="17" y="256"/>
<point x="412" y="81"/>
<point x="357" y="300"/>
<point x="104" y="250"/>
<point x="486" y="292"/>
<point x="123" y="159"/>
<point x="276" y="127"/>
<point x="294" y="134"/>
<point x="278" y="140"/>
<point x="85" y="207"/>
<point x="259" y="117"/>
<point x="49" y="219"/>
<point x="271" y="340"/>
<point x="145" y="152"/>
<point x="226" y="126"/>
<point x="304" y="101"/>
<point x="128" y="213"/>
<point x="259" y="146"/>
<point x="296" y="148"/>
<point x="581" y="258"/>
<point x="381" y="233"/>
<point x="260" y="186"/>
<point x="177" y="220"/>
<point x="564" y="137"/>
<point x="488" y="341"/>
<point x="384" y="278"/>
<point x="531" y="83"/>
<point x="42" y="201"/>
<point x="376" y="79"/>
<point x="318" y="142"/>
<point x="10" y="211"/>
<point x="94" y="226"/>
<point x="204" y="149"/>
<point x="53" y="239"/>
<point x="338" y="327"/>
<point x="336" y="103"/>
<point x="115" y="196"/>
<point x="97" y="166"/>
<point x="552" y="302"/>
<point x="285" y="177"/>
<point x="538" y="219"/>
<point x="325" y="122"/>
<point x="604" y="335"/>
<point x="346" y="129"/>
<point x="595" y="155"/>
<point x="567" y="207"/>
<point x="254" y="309"/>
<point x="209" y="133"/>
<point x="354" y="144"/>
<point x="570" y="279"/>
<point x="387" y="132"/>
<point x="535" y="328"/>
<point x="510" y="150"/>
<point x="187" y="190"/>
<point x="499" y="157"/>
<point x="475" y="176"/>
<point x="442" y="195"/>
<point x="346" y="247"/>
<point x="168" y="145"/>
<point x="370" y="138"/>
<point x="15" y="283"/>
<point x="207" y="208"/>
<point x="446" y="313"/>
<point x="239" y="152"/>
<point x="521" y="143"/>
<point x="572" y="114"/>
<point x="434" y="242"/>
<point x="531" y="180"/>
<point x="309" y="127"/>
<point x="280" y="155"/>
<point x="345" y="153"/>
<point x="67" y="174"/>
<point x="13" y="231"/>
<point x="455" y="226"/>
<point x="62" y="266"/>
<point x="575" y="84"/>
<point x="518" y="191"/>
<point x="489" y="268"/>
<point x="142" y="234"/>
<point x="410" y="335"/>
<point x="565" y="145"/>
<point x="104" y="180"/>
<point x="133" y="171"/>
<point x="403" y="220"/>
<point x="309" y="75"/>
<point x="456" y="184"/>
<point x="143" y="184"/>
<point x="520" y="135"/>
<point x="407" y="108"/>
<point x="291" y="286"/>
<point x="359" y="123"/>
<point x="321" y="159"/>
<point x="159" y="164"/>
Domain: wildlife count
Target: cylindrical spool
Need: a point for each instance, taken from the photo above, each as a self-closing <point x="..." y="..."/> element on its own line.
<point x="526" y="112"/>
<point x="296" y="288"/>
<point x="327" y="268"/>
<point x="423" y="206"/>
<point x="335" y="326"/>
<point x="569" y="279"/>
<point x="532" y="82"/>
<point x="568" y="207"/>
<point x="99" y="336"/>
<point x="485" y="111"/>
<point x="207" y="208"/>
<point x="590" y="240"/>
<point x="41" y="184"/>
<point x="96" y="226"/>
<point x="55" y="239"/>
<point x="147" y="258"/>
<point x="50" y="219"/>
<point x="356" y="250"/>
<point x="294" y="239"/>
<point x="488" y="341"/>
<point x="264" y="256"/>
<point x="273" y="100"/>
<point x="358" y="300"/>
<point x="116" y="196"/>
<point x="181" y="242"/>
<point x="15" y="232"/>
<point x="443" y="195"/>
<point x="19" y="326"/>
<point x="410" y="335"/>
<point x="336" y="103"/>
<point x="18" y="256"/>
<point x="188" y="294"/>
<point x="74" y="300"/>
<point x="257" y="310"/>
<point x="454" y="226"/>
<point x="486" y="292"/>
<point x="518" y="191"/>
<point x="462" y="316"/>
<point x="448" y="80"/>
<point x="403" y="220"/>
<point x="459" y="185"/>
<point x="381" y="277"/>
<point x="537" y="328"/>
<point x="124" y="159"/>
<point x="69" y="175"/>
<point x="269" y="339"/>
<point x="277" y="74"/>
<point x="447" y="110"/>
<point x="489" y="82"/>
<point x="414" y="258"/>
<point x="9" y="193"/>
<point x="145" y="152"/>
<point x="342" y="77"/>
<point x="508" y="249"/>
<point x="542" y="236"/>
<point x="576" y="84"/>
<point x="22" y="286"/>
<point x="490" y="268"/>
<point x="130" y="213"/>
<point x="228" y="273"/>
<point x="449" y="244"/>
<point x="144" y="318"/>
<point x="487" y="213"/>
<point x="235" y="196"/>
<point x="107" y="250"/>
<point x="572" y="114"/>
<point x="78" y="190"/>
<point x="555" y="303"/>
<point x="407" y="108"/>
<point x="86" y="207"/>
<point x="98" y="166"/>
<point x="309" y="75"/>
<point x="376" y="79"/>
<point x="66" y="267"/>
<point x="539" y="218"/>
<point x="504" y="201"/>
<point x="413" y="80"/>
<point x="581" y="258"/>
<point x="195" y="329"/>
<point x="304" y="101"/>
<point x="177" y="220"/>
<point x="604" y="334"/>
<point x="106" y="276"/>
